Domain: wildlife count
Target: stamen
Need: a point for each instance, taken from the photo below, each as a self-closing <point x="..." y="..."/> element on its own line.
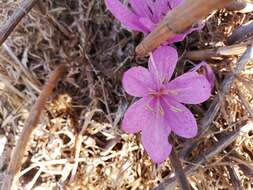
<point x="163" y="79"/>
<point x="172" y="108"/>
<point x="161" y="111"/>
<point x="173" y="92"/>
<point x="149" y="108"/>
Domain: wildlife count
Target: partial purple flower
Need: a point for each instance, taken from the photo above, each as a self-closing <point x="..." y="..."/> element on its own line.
<point x="205" y="69"/>
<point x="160" y="109"/>
<point x="144" y="15"/>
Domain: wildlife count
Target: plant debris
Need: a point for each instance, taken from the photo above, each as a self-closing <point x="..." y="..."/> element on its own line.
<point x="79" y="143"/>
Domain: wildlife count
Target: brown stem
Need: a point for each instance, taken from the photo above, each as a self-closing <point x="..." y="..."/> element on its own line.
<point x="179" y="172"/>
<point x="205" y="54"/>
<point x="178" y="21"/>
<point x="30" y="125"/>
<point x="23" y="9"/>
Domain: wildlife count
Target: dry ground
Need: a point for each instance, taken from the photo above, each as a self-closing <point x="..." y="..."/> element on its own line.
<point x="97" y="50"/>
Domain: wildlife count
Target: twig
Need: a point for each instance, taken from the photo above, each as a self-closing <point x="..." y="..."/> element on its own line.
<point x="30" y="125"/>
<point x="245" y="102"/>
<point x="19" y="66"/>
<point x="78" y="142"/>
<point x="242" y="7"/>
<point x="237" y="49"/>
<point x="214" y="108"/>
<point x="178" y="21"/>
<point x="228" y="138"/>
<point x="234" y="178"/>
<point x="179" y="172"/>
<point x="23" y="9"/>
<point x="242" y="33"/>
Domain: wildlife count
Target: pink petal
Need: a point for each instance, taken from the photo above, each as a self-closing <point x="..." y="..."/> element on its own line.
<point x="154" y="137"/>
<point x="161" y="8"/>
<point x="190" y="88"/>
<point x="137" y="81"/>
<point x="147" y="23"/>
<point x="180" y="119"/>
<point x="136" y="116"/>
<point x="207" y="72"/>
<point x="124" y="15"/>
<point x="162" y="63"/>
<point x="141" y="8"/>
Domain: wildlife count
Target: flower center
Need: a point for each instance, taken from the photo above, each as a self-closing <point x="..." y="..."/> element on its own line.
<point x="158" y="93"/>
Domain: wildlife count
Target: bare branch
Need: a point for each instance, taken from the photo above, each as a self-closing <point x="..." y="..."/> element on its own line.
<point x="179" y="172"/>
<point x="23" y="9"/>
<point x="242" y="7"/>
<point x="225" y="141"/>
<point x="212" y="112"/>
<point x="242" y="33"/>
<point x="237" y="49"/>
<point x="30" y="125"/>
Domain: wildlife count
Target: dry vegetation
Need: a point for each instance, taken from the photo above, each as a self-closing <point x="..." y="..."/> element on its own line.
<point x="78" y="143"/>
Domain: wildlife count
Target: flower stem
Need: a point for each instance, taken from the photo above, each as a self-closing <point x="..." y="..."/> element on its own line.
<point x="179" y="172"/>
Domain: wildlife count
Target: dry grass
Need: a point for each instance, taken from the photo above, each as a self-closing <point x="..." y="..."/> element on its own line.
<point x="79" y="144"/>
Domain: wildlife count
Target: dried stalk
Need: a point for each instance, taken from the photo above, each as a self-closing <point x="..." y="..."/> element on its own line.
<point x="225" y="141"/>
<point x="245" y="102"/>
<point x="23" y="9"/>
<point x="242" y="33"/>
<point x="30" y="125"/>
<point x="214" y="108"/>
<point x="179" y="172"/>
<point x="178" y="21"/>
<point x="237" y="49"/>
<point x="234" y="178"/>
<point x="242" y="7"/>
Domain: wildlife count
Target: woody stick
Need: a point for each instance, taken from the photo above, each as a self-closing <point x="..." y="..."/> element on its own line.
<point x="178" y="21"/>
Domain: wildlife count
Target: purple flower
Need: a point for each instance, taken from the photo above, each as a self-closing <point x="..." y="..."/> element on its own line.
<point x="160" y="109"/>
<point x="144" y="15"/>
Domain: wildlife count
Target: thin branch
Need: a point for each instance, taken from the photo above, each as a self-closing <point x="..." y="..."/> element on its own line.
<point x="19" y="66"/>
<point x="179" y="172"/>
<point x="214" y="108"/>
<point x="242" y="7"/>
<point x="242" y="33"/>
<point x="245" y="102"/>
<point x="22" y="10"/>
<point x="178" y="21"/>
<point x="30" y="125"/>
<point x="225" y="141"/>
<point x="234" y="178"/>
<point x="237" y="49"/>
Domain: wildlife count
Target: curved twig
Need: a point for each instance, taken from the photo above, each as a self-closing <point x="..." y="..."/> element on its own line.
<point x="30" y="125"/>
<point x="237" y="49"/>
